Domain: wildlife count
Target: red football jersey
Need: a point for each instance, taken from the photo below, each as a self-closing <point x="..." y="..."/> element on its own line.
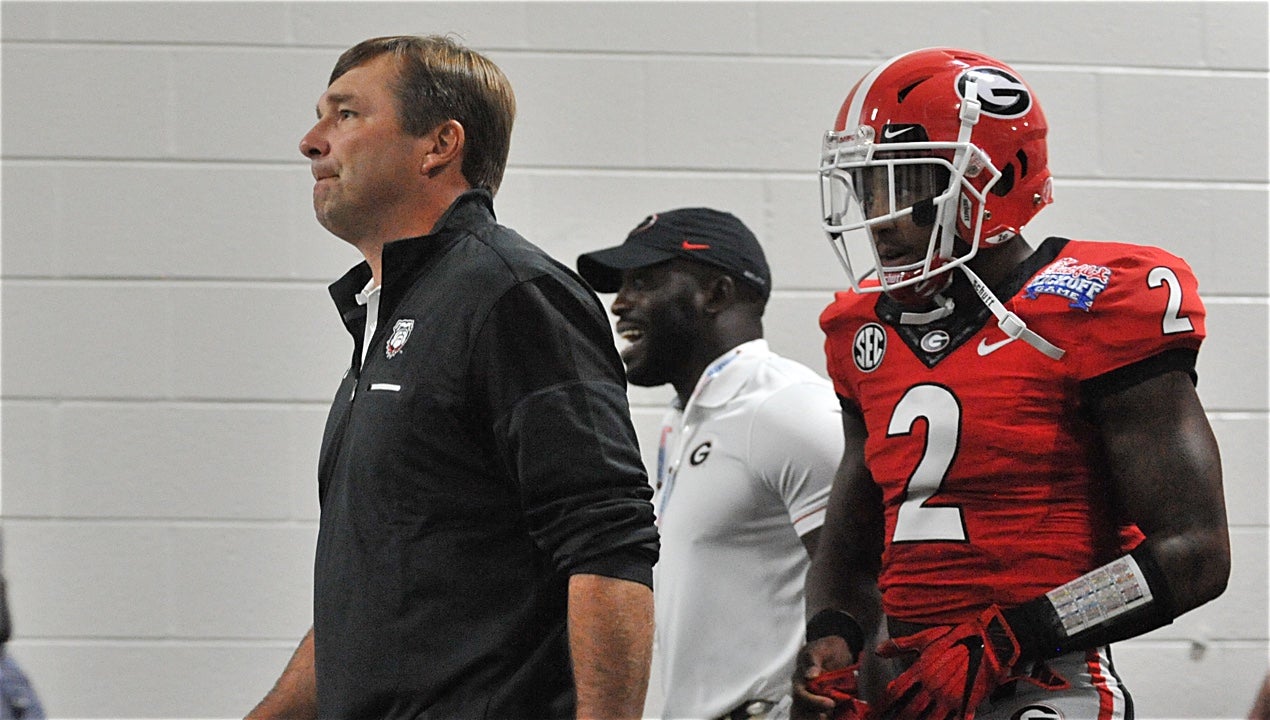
<point x="993" y="485"/>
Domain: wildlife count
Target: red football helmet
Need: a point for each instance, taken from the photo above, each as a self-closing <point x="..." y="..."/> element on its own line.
<point x="953" y="138"/>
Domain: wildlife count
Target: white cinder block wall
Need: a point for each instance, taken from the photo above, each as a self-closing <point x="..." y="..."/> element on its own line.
<point x="169" y="347"/>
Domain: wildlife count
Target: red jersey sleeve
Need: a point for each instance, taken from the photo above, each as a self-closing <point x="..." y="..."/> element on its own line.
<point x="1120" y="303"/>
<point x="840" y="321"/>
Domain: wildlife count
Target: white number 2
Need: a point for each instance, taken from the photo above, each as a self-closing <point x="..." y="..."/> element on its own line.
<point x="939" y="408"/>
<point x="1173" y="322"/>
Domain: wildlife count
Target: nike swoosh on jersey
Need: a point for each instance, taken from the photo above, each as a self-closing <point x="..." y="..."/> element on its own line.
<point x="987" y="348"/>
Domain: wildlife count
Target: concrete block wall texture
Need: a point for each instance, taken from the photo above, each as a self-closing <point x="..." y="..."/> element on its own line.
<point x="168" y="346"/>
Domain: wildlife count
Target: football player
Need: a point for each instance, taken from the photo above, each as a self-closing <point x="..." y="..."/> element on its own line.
<point x="1029" y="474"/>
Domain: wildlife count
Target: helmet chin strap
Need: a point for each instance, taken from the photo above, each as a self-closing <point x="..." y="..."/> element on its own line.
<point x="1012" y="325"/>
<point x="945" y="309"/>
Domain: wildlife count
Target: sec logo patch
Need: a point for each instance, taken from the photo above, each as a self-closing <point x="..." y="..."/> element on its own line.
<point x="868" y="347"/>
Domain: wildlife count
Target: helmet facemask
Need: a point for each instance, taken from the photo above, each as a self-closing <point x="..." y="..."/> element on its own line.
<point x="867" y="185"/>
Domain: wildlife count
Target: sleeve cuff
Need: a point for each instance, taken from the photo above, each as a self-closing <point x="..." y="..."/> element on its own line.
<point x="630" y="565"/>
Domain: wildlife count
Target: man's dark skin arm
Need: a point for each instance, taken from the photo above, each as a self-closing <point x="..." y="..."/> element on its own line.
<point x="1166" y="472"/>
<point x="844" y="569"/>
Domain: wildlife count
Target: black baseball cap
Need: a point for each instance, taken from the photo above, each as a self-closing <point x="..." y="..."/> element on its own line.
<point x="704" y="235"/>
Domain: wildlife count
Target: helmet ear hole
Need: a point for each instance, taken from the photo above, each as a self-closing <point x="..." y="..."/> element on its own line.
<point x="1005" y="183"/>
<point x="904" y="91"/>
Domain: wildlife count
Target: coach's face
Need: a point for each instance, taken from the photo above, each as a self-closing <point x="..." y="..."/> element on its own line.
<point x="659" y="315"/>
<point x="365" y="166"/>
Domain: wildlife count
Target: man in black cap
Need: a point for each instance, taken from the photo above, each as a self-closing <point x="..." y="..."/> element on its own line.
<point x="747" y="452"/>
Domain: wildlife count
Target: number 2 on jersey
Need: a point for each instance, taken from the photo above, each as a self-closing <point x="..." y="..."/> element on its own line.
<point x="1173" y="321"/>
<point x="917" y="521"/>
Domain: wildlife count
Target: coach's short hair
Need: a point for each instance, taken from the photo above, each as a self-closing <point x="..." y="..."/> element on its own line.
<point x="439" y="79"/>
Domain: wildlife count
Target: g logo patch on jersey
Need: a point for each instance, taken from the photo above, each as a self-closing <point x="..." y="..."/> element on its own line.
<point x="934" y="341"/>
<point x="700" y="453"/>
<point x="868" y="347"/>
<point x="1000" y="93"/>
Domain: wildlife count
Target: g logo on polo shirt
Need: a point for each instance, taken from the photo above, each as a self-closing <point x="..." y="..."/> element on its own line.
<point x="700" y="453"/>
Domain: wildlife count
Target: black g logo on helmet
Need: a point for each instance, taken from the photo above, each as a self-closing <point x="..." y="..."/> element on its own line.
<point x="1000" y="93"/>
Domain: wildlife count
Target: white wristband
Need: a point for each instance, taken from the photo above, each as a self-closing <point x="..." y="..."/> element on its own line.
<point x="1100" y="595"/>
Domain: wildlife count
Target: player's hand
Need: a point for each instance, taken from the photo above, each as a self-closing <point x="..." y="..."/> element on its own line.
<point x="841" y="686"/>
<point x="956" y="668"/>
<point x="829" y="658"/>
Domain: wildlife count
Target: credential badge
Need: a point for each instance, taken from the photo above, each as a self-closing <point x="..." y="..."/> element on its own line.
<point x="400" y="334"/>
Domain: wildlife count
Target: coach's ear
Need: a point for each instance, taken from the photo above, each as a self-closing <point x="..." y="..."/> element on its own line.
<point x="442" y="148"/>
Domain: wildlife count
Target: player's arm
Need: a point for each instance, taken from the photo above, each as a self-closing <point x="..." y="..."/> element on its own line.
<point x="1166" y="475"/>
<point x="843" y="602"/>
<point x="294" y="696"/>
<point x="843" y="575"/>
<point x="611" y="639"/>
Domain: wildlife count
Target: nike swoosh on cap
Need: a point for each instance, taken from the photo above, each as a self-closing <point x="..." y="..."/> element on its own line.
<point x="694" y="246"/>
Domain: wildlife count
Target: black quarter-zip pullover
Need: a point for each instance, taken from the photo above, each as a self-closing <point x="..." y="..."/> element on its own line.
<point x="481" y="455"/>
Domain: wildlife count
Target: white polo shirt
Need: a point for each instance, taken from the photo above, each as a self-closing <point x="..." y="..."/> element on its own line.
<point x="743" y="470"/>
